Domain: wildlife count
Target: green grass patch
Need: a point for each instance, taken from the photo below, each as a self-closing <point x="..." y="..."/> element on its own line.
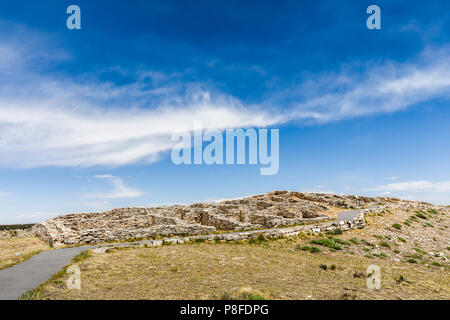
<point x="415" y="256"/>
<point x="385" y="244"/>
<point x="420" y="251"/>
<point x="306" y="248"/>
<point x="421" y="216"/>
<point x="331" y="242"/>
<point x="397" y="226"/>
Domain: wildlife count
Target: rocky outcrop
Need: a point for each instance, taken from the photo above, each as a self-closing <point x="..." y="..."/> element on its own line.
<point x="271" y="210"/>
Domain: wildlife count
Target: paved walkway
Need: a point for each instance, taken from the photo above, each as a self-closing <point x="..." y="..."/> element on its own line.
<point x="16" y="280"/>
<point x="348" y="215"/>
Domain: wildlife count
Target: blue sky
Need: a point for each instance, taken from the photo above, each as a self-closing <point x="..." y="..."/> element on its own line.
<point x="86" y="115"/>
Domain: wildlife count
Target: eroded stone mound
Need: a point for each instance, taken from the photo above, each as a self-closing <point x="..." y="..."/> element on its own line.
<point x="274" y="209"/>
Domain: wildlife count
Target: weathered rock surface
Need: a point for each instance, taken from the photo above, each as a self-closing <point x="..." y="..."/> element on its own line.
<point x="274" y="209"/>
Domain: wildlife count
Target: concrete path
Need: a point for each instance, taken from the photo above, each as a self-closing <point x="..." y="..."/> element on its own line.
<point x="16" y="280"/>
<point x="348" y="215"/>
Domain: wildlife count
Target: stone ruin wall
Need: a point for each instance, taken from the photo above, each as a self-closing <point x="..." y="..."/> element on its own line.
<point x="275" y="209"/>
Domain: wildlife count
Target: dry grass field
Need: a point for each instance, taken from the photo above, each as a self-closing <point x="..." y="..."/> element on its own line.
<point x="16" y="246"/>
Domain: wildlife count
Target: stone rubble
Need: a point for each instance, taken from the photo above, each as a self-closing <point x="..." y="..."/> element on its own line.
<point x="272" y="210"/>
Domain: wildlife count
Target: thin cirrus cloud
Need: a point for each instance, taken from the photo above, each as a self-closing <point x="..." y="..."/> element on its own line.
<point x="53" y="119"/>
<point x="118" y="191"/>
<point x="380" y="88"/>
<point x="411" y="186"/>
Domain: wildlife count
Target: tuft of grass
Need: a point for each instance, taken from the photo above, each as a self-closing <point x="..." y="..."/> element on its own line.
<point x="421" y="216"/>
<point x="401" y="239"/>
<point x="420" y="251"/>
<point x="337" y="231"/>
<point x="385" y="244"/>
<point x="397" y="226"/>
<point x="433" y="211"/>
<point x="33" y="294"/>
<point x="258" y="240"/>
<point x="323" y="267"/>
<point x="306" y="248"/>
<point x="243" y="294"/>
<point x="437" y="264"/>
<point x="411" y="260"/>
<point x="415" y="256"/>
<point x="380" y="255"/>
<point x="401" y="279"/>
<point x="354" y="241"/>
<point x="82" y="256"/>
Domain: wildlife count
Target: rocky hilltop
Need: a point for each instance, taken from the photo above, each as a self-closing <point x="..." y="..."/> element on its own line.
<point x="274" y="209"/>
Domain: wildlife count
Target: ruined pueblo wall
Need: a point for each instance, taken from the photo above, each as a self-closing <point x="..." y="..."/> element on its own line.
<point x="306" y="211"/>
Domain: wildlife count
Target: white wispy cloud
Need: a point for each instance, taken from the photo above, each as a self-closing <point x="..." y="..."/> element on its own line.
<point x="441" y="186"/>
<point x="119" y="189"/>
<point x="380" y="88"/>
<point x="54" y="119"/>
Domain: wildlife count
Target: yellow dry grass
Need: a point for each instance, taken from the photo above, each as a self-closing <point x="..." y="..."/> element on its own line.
<point x="275" y="269"/>
<point x="16" y="249"/>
